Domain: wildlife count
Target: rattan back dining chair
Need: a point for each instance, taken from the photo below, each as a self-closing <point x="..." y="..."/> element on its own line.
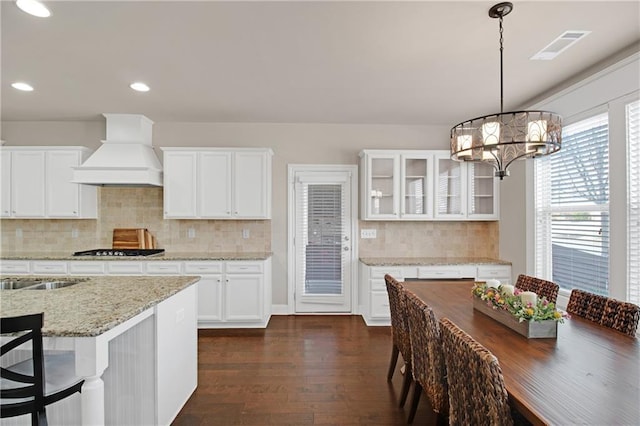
<point x="477" y="394"/>
<point x="400" y="334"/>
<point x="539" y="286"/>
<point x="427" y="358"/>
<point x="28" y="386"/>
<point x="615" y="314"/>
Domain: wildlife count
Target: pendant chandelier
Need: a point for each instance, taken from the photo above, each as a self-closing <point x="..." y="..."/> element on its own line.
<point x="500" y="139"/>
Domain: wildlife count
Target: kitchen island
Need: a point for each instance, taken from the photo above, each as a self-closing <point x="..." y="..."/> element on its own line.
<point x="134" y="339"/>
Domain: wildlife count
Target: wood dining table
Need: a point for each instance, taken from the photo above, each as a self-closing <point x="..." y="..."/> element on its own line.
<point x="588" y="374"/>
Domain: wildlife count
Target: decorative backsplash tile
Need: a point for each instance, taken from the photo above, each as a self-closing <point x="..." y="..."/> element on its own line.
<point x="142" y="208"/>
<point x="134" y="208"/>
<point x="430" y="239"/>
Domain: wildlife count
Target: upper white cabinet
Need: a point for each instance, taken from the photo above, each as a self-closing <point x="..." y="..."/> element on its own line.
<point x="396" y="185"/>
<point x="217" y="183"/>
<point x="464" y="191"/>
<point x="36" y="183"/>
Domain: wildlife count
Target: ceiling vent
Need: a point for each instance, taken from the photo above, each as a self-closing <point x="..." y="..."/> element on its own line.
<point x="559" y="45"/>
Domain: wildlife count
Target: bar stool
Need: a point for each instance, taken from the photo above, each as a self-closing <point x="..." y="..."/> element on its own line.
<point x="27" y="387"/>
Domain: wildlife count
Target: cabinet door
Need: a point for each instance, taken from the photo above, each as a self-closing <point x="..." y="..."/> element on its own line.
<point x="210" y="298"/>
<point x="62" y="196"/>
<point x="5" y="184"/>
<point x="214" y="184"/>
<point x="27" y="184"/>
<point x="416" y="187"/>
<point x="180" y="184"/>
<point x="451" y="188"/>
<point x="251" y="182"/>
<point x="482" y="202"/>
<point x="382" y="186"/>
<point x="244" y="298"/>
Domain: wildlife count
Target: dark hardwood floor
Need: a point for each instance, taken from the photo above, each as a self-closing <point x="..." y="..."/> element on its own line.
<point x="300" y="370"/>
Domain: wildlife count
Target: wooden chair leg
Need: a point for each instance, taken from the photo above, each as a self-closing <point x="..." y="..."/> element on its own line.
<point x="406" y="383"/>
<point x="417" y="391"/>
<point x="394" y="360"/>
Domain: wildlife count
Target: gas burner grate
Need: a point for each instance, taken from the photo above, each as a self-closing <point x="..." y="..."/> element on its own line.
<point x="119" y="252"/>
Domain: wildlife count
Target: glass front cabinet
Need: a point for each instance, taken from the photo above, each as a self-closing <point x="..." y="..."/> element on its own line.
<point x="465" y="191"/>
<point x="425" y="185"/>
<point x="396" y="185"/>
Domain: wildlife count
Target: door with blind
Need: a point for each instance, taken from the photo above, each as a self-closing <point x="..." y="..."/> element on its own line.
<point x="322" y="249"/>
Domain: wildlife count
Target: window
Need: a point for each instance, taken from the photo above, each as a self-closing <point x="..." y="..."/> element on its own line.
<point x="572" y="208"/>
<point x="633" y="201"/>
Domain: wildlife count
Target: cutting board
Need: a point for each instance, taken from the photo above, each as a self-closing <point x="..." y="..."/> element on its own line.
<point x="133" y="238"/>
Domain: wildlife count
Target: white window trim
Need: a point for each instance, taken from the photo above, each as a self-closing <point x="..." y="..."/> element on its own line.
<point x="625" y="87"/>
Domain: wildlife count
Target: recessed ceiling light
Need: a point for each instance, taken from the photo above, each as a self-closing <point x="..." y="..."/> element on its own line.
<point x="139" y="87"/>
<point x="33" y="7"/>
<point x="22" y="86"/>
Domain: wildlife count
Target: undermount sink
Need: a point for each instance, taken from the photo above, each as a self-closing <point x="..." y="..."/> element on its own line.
<point x="34" y="284"/>
<point x="51" y="285"/>
<point x="17" y="284"/>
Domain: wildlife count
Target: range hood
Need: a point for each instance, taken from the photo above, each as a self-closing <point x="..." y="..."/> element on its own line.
<point x="126" y="157"/>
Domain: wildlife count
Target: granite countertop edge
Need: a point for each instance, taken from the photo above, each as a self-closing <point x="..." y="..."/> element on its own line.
<point x="95" y="305"/>
<point x="167" y="256"/>
<point x="430" y="261"/>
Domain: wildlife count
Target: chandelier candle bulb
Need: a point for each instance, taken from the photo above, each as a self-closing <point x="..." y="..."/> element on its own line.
<point x="529" y="297"/>
<point x="464" y="145"/>
<point x="491" y="133"/>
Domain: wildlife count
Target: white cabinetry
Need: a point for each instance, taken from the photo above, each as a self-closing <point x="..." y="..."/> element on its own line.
<point x="464" y="191"/>
<point x="396" y="185"/>
<point x="36" y="183"/>
<point x="217" y="183"/>
<point x="233" y="293"/>
<point x="374" y="301"/>
<point x="176" y="370"/>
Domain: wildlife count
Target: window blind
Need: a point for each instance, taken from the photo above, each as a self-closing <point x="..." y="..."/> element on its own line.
<point x="320" y="230"/>
<point x="572" y="208"/>
<point x="633" y="198"/>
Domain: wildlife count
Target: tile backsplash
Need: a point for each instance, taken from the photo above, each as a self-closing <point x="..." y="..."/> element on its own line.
<point x="142" y="208"/>
<point x="134" y="208"/>
<point x="430" y="239"/>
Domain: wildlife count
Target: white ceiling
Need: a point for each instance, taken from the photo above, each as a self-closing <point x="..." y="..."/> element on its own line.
<point x="298" y="61"/>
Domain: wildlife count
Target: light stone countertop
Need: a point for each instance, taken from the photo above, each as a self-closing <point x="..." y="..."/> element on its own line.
<point x="430" y="261"/>
<point x="165" y="256"/>
<point x="93" y="306"/>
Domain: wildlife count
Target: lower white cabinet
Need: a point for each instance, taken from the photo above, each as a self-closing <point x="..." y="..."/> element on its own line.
<point x="374" y="301"/>
<point x="233" y="293"/>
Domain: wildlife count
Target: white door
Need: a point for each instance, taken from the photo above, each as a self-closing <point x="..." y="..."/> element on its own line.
<point x="322" y="264"/>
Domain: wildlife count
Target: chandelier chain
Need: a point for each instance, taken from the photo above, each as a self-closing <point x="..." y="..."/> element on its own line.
<point x="501" y="80"/>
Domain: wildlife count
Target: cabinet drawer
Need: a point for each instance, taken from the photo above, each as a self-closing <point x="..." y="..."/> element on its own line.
<point x="202" y="268"/>
<point x="49" y="268"/>
<point x="381" y="271"/>
<point x="14" y="267"/>
<point x="380" y="305"/>
<point x="163" y="268"/>
<point x="444" y="272"/>
<point x="494" y="271"/>
<point x="244" y="268"/>
<point x="84" y="268"/>
<point x="125" y="268"/>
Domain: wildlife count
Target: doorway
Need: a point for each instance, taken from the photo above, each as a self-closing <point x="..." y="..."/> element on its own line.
<point x="322" y="248"/>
